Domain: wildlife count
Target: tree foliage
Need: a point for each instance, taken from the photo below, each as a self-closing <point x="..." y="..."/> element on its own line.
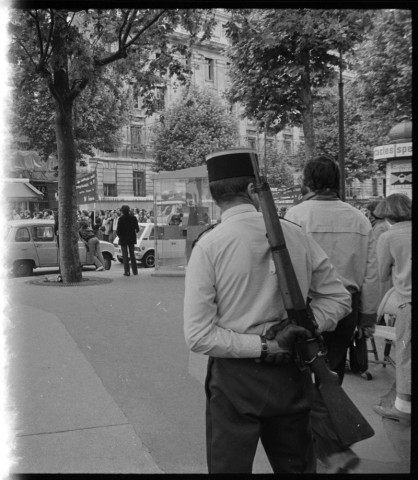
<point x="100" y="111"/>
<point x="376" y="96"/>
<point x="68" y="48"/>
<point x="281" y="56"/>
<point x="358" y="143"/>
<point x="278" y="172"/>
<point x="196" y="125"/>
<point x="383" y="66"/>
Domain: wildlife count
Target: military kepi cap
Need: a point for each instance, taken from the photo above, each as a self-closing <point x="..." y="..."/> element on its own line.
<point x="229" y="164"/>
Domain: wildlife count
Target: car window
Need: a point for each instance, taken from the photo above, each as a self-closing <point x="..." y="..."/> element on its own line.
<point x="151" y="235"/>
<point x="44" y="233"/>
<point x="22" y="235"/>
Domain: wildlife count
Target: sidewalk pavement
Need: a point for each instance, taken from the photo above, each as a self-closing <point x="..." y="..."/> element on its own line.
<point x="66" y="421"/>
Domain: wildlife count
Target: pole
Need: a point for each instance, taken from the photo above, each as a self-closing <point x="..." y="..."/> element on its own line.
<point x="341" y="130"/>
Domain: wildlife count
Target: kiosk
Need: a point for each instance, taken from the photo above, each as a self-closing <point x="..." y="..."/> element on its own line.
<point x="183" y="208"/>
<point x="398" y="156"/>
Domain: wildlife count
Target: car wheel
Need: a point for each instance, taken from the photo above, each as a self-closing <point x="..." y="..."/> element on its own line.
<point x="108" y="261"/>
<point x="23" y="269"/>
<point x="148" y="260"/>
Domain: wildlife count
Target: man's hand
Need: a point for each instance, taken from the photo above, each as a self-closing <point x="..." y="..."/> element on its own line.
<point x="366" y="331"/>
<point x="280" y="341"/>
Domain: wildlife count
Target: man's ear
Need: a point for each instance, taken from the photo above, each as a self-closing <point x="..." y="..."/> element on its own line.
<point x="250" y="189"/>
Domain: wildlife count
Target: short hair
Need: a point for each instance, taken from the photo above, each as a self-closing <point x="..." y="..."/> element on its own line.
<point x="229" y="188"/>
<point x="396" y="207"/>
<point x="322" y="173"/>
<point x="125" y="209"/>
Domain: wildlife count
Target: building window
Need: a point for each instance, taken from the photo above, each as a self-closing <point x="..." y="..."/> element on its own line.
<point x="109" y="190"/>
<point x="139" y="183"/>
<point x="135" y="137"/>
<point x="224" y="30"/>
<point x="160" y="96"/>
<point x="137" y="102"/>
<point x="227" y="73"/>
<point x="374" y="187"/>
<point x="269" y="145"/>
<point x="209" y="69"/>
<point x="217" y="31"/>
<point x="287" y="147"/>
<point x="251" y="142"/>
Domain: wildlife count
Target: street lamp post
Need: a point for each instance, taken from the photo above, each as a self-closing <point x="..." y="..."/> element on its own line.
<point x="341" y="130"/>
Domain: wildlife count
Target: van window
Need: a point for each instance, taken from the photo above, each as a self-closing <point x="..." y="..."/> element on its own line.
<point x="151" y="235"/>
<point x="43" y="233"/>
<point x="22" y="235"/>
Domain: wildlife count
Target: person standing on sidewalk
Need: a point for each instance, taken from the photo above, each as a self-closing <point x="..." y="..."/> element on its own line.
<point x="394" y="255"/>
<point x="92" y="244"/>
<point x="127" y="228"/>
<point x="254" y="389"/>
<point x="346" y="236"/>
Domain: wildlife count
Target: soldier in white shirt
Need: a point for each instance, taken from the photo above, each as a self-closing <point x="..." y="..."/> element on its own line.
<point x="254" y="388"/>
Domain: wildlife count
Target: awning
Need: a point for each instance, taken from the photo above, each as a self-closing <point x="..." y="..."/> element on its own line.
<point x="20" y="190"/>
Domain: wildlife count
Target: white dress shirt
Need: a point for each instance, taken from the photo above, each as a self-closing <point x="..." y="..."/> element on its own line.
<point x="231" y="290"/>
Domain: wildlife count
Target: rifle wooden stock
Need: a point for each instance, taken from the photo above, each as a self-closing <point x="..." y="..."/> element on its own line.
<point x="349" y="423"/>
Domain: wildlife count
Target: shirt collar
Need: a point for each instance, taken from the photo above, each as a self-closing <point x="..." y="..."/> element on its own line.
<point x="400" y="224"/>
<point x="241" y="208"/>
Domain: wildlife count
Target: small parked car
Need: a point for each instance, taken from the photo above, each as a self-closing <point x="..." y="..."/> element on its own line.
<point x="144" y="248"/>
<point x="32" y="244"/>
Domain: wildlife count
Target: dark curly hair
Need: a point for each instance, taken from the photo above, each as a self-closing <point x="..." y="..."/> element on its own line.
<point x="322" y="174"/>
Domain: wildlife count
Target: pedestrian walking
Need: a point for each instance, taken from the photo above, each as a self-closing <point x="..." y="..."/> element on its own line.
<point x="92" y="244"/>
<point x="394" y="255"/>
<point x="345" y="234"/>
<point x="127" y="228"/>
<point x="254" y="389"/>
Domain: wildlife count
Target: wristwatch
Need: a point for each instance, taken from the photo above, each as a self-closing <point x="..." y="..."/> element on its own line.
<point x="264" y="347"/>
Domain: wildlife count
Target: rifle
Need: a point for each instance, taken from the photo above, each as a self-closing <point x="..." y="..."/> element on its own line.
<point x="348" y="422"/>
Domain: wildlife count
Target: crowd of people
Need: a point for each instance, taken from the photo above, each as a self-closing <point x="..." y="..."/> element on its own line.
<point x="104" y="222"/>
<point x="17" y="214"/>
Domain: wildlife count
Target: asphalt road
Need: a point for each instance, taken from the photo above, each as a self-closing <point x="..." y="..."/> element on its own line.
<point x="129" y="333"/>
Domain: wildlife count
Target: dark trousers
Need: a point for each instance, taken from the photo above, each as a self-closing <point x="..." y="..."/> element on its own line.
<point x="338" y="341"/>
<point x="128" y="252"/>
<point x="247" y="402"/>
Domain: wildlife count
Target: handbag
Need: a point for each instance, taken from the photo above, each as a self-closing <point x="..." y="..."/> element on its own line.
<point x="358" y="354"/>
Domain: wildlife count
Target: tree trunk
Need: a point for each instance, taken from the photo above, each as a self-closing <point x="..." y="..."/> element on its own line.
<point x="307" y="110"/>
<point x="67" y="206"/>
